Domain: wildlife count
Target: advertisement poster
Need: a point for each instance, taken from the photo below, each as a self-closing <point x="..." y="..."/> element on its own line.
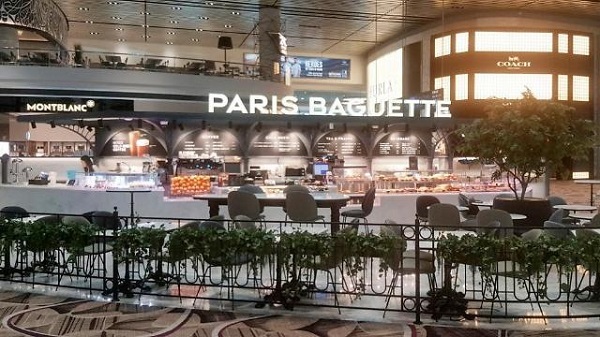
<point x="315" y="67"/>
<point x="208" y="144"/>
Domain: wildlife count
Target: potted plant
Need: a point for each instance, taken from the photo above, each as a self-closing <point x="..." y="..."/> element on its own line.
<point x="526" y="139"/>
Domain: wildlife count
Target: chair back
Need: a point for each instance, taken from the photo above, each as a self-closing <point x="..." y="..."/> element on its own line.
<point x="422" y="204"/>
<point x="106" y="220"/>
<point x="243" y="203"/>
<point x="557" y="229"/>
<point x="243" y="222"/>
<point x="557" y="215"/>
<point x="301" y="206"/>
<point x="249" y="188"/>
<point x="556" y="200"/>
<point x="368" y="200"/>
<point x="13" y="212"/>
<point x="443" y="216"/>
<point x="74" y="220"/>
<point x="494" y="221"/>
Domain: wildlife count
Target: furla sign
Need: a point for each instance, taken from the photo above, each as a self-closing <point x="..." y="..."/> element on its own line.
<point x="513" y="63"/>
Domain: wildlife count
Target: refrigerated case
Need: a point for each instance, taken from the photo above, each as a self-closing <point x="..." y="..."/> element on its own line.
<point x="109" y="180"/>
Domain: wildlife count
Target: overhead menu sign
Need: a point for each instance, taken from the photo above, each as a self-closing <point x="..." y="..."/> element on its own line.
<point x="275" y="143"/>
<point x="399" y="144"/>
<point x="344" y="144"/>
<point x="135" y="144"/>
<point x="208" y="144"/>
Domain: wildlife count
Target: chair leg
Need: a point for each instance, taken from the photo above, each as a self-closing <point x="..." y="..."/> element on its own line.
<point x="391" y="292"/>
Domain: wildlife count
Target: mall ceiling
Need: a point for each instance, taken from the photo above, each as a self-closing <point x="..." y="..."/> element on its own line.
<point x="350" y="27"/>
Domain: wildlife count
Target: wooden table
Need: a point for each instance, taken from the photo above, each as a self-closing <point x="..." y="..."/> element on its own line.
<point x="333" y="201"/>
<point x="592" y="183"/>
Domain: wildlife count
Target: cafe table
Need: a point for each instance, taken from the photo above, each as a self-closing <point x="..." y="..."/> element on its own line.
<point x="333" y="201"/>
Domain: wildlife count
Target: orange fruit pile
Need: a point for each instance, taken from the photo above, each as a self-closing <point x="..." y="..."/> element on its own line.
<point x="188" y="185"/>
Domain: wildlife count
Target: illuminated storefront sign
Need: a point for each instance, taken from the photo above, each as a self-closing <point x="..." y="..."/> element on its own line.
<point x="60" y="107"/>
<point x="318" y="106"/>
<point x="513" y="63"/>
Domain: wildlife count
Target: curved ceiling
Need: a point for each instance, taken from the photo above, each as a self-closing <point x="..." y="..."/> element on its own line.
<point x="348" y="27"/>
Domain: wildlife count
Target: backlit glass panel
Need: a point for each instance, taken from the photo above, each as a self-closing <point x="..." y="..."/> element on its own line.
<point x="442" y="46"/>
<point x="513" y="42"/>
<point x="563" y="43"/>
<point x="462" y="87"/>
<point x="443" y="83"/>
<point x="563" y="87"/>
<point x="581" y="45"/>
<point x="581" y="88"/>
<point x="512" y="86"/>
<point x="461" y="42"/>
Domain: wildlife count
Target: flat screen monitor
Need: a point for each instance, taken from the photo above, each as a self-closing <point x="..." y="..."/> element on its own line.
<point x="320" y="169"/>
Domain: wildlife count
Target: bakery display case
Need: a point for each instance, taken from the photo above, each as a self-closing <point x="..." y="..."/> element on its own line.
<point x="352" y="179"/>
<point x="109" y="180"/>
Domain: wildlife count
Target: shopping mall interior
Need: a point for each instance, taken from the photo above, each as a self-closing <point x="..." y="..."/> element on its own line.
<point x="187" y="100"/>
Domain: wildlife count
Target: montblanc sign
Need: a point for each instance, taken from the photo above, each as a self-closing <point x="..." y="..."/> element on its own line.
<point x="59" y="107"/>
<point x="319" y="106"/>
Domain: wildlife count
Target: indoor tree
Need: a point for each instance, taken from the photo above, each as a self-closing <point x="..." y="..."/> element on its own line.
<point x="526" y="138"/>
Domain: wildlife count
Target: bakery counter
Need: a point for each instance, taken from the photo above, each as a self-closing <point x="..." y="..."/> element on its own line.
<point x="62" y="198"/>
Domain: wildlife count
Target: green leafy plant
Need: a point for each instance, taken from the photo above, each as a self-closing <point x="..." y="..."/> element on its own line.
<point x="526" y="138"/>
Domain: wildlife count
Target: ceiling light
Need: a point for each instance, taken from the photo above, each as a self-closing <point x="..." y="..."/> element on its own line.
<point x="170" y="33"/>
<point x="84" y="9"/>
<point x="169" y="42"/>
<point x="145" y="26"/>
<point x="94" y="33"/>
<point x="199" y="29"/>
<point x="112" y="2"/>
<point x="235" y="13"/>
<point x="89" y="21"/>
<point x="227" y="26"/>
<point x="116" y="18"/>
<point x="210" y="3"/>
<point x="146" y="36"/>
<point x="121" y="40"/>
<point x="119" y="29"/>
<point x="195" y="40"/>
<point x="144" y="13"/>
<point x="174" y="22"/>
<point x="177" y="8"/>
<point x="203" y="18"/>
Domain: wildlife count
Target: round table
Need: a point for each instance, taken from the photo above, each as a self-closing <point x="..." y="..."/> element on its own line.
<point x="576" y="208"/>
<point x="516" y="216"/>
<point x="489" y="204"/>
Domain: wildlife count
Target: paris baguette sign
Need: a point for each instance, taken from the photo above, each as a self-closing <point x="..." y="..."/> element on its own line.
<point x="318" y="106"/>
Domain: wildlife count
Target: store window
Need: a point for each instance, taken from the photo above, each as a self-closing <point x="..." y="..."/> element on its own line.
<point x="513" y="42"/>
<point x="581" y="45"/>
<point x="581" y="88"/>
<point x="461" y="42"/>
<point x="563" y="43"/>
<point x="461" y="83"/>
<point x="443" y="83"/>
<point x="512" y="86"/>
<point x="563" y="87"/>
<point x="442" y="46"/>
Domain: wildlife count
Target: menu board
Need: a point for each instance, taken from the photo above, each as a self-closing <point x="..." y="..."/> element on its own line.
<point x="400" y="144"/>
<point x="275" y="143"/>
<point x="206" y="144"/>
<point x="136" y="143"/>
<point x="342" y="144"/>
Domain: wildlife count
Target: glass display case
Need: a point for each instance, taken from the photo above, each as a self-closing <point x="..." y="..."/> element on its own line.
<point x="352" y="179"/>
<point x="108" y="180"/>
<point x="416" y="181"/>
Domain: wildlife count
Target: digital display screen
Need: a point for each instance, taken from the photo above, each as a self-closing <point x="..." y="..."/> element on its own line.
<point x="315" y="67"/>
<point x="320" y="169"/>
